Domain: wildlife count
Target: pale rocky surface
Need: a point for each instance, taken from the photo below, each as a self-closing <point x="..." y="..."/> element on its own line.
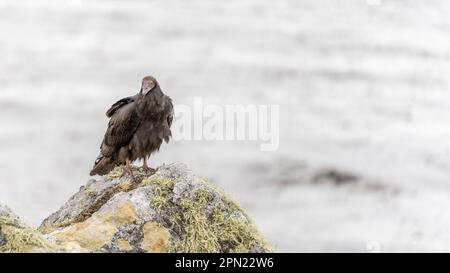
<point x="166" y="210"/>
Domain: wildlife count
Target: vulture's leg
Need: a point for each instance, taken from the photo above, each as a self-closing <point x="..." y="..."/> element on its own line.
<point x="145" y="166"/>
<point x="129" y="169"/>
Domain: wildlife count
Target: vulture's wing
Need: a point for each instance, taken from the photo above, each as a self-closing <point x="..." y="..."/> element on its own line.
<point x="169" y="111"/>
<point x="122" y="126"/>
<point x="118" y="105"/>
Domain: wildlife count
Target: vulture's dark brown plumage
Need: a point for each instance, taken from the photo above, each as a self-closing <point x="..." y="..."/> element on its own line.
<point x="137" y="127"/>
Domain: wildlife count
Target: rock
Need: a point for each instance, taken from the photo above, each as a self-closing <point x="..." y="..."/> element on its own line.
<point x="169" y="210"/>
<point x="16" y="236"/>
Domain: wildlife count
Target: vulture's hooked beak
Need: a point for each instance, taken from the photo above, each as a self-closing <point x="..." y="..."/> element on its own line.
<point x="147" y="87"/>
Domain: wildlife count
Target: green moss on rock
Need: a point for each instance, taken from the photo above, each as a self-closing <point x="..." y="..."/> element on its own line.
<point x="206" y="218"/>
<point x="119" y="171"/>
<point x="171" y="210"/>
<point x="116" y="173"/>
<point x="18" y="238"/>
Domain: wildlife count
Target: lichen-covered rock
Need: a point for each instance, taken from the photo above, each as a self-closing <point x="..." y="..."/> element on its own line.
<point x="16" y="236"/>
<point x="170" y="210"/>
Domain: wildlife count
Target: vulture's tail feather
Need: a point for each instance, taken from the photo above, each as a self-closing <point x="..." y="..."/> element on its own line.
<point x="103" y="165"/>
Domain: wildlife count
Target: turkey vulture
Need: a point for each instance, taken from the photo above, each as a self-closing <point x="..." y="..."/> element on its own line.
<point x="137" y="127"/>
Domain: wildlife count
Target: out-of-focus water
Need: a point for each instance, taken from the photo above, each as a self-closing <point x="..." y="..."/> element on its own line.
<point x="362" y="88"/>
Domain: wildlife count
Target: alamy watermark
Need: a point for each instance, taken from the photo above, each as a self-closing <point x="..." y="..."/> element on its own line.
<point x="228" y="123"/>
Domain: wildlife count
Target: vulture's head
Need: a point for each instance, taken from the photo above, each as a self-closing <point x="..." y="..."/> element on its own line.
<point x="148" y="84"/>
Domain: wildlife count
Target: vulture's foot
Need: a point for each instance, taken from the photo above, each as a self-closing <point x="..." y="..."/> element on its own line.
<point x="147" y="169"/>
<point x="145" y="166"/>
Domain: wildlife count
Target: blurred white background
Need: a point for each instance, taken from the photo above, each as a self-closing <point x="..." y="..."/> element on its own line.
<point x="363" y="90"/>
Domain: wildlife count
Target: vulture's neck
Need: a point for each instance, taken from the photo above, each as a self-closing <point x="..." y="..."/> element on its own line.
<point x="152" y="103"/>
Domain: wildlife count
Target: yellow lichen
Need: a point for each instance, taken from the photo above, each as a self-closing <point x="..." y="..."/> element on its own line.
<point x="23" y="239"/>
<point x="91" y="234"/>
<point x="116" y="172"/>
<point x="156" y="238"/>
<point x="121" y="169"/>
<point x="125" y="186"/>
<point x="162" y="187"/>
<point x="124" y="245"/>
<point x="47" y="228"/>
<point x="90" y="191"/>
<point x="201" y="232"/>
<point x="239" y="232"/>
<point x="158" y="203"/>
<point x="98" y="230"/>
<point x="161" y="183"/>
<point x="126" y="213"/>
